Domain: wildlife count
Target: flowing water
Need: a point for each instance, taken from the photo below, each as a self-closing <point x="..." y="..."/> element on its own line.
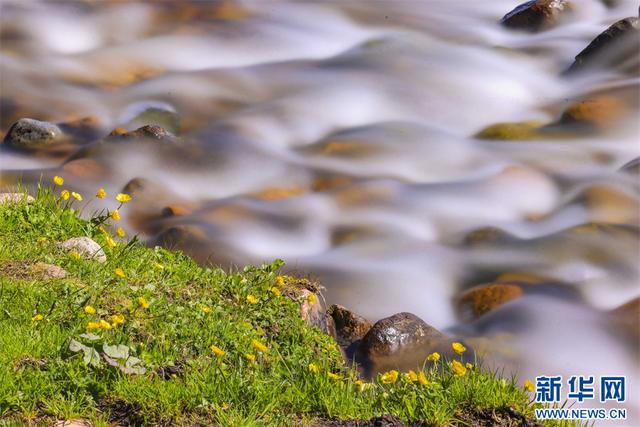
<point x="338" y="135"/>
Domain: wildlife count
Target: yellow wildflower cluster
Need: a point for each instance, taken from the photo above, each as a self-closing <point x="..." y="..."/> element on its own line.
<point x="259" y="346"/>
<point x="528" y="385"/>
<point x="280" y="281"/>
<point x="123" y="198"/>
<point x="458" y="347"/>
<point x="143" y="302"/>
<point x="120" y="272"/>
<point x="89" y="309"/>
<point x="101" y="194"/>
<point x="38" y="317"/>
<point x="311" y="299"/>
<point x="390" y="377"/>
<point x="217" y="350"/>
<point x="252" y="299"/>
<point x="458" y="368"/>
<point x="433" y="357"/>
<point x="313" y="368"/>
<point x="275" y="291"/>
<point x="58" y="180"/>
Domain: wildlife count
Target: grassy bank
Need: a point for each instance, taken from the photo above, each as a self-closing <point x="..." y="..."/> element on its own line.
<point x="151" y="338"/>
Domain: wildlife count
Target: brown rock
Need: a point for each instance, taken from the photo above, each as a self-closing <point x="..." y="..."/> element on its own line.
<point x="616" y="47"/>
<point x="536" y="15"/>
<point x="607" y="204"/>
<point x="350" y="327"/>
<point x="481" y="299"/>
<point x="149" y="132"/>
<point x="599" y="112"/>
<point x="402" y="341"/>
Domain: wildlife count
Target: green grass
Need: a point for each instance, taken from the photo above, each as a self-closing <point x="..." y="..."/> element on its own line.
<point x="190" y="309"/>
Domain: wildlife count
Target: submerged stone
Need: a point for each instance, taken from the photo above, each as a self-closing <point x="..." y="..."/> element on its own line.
<point x="481" y="299"/>
<point x="616" y="47"/>
<point x="152" y="113"/>
<point x="516" y="131"/>
<point x="536" y="15"/>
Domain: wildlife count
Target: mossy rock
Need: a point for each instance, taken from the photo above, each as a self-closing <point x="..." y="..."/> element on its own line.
<point x="516" y="131"/>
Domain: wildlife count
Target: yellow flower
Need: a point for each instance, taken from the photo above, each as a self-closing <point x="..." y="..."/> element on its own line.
<point x="92" y="326"/>
<point x="280" y="281"/>
<point x="206" y="310"/>
<point x="143" y="302"/>
<point x="458" y="369"/>
<point x="528" y="385"/>
<point x="58" y="180"/>
<point x="110" y="242"/>
<point x="123" y="198"/>
<point x="76" y="196"/>
<point x="105" y="325"/>
<point x="74" y="255"/>
<point x="115" y="215"/>
<point x="65" y="194"/>
<point x="37" y="318"/>
<point x="468" y="365"/>
<point x="89" y="309"/>
<point x="411" y="376"/>
<point x="458" y="348"/>
<point x="333" y="376"/>
<point x="312" y="299"/>
<point x="259" y="346"/>
<point x="250" y="357"/>
<point x="117" y="319"/>
<point x="120" y="232"/>
<point x="313" y="368"/>
<point x="101" y="194"/>
<point x="251" y="299"/>
<point x="217" y="350"/>
<point x="275" y="291"/>
<point x="422" y="378"/>
<point x="433" y="357"/>
<point x="390" y="377"/>
<point x="119" y="272"/>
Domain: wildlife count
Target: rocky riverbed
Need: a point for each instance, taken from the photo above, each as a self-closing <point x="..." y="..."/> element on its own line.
<point x="446" y="170"/>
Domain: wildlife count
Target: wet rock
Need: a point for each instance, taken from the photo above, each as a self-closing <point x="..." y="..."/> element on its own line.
<point x="6" y="198"/>
<point x="149" y="132"/>
<point x="350" y="327"/>
<point x="632" y="167"/>
<point x="536" y="15"/>
<point x="517" y="131"/>
<point x="616" y="47"/>
<point x="481" y="299"/>
<point x="31" y="134"/>
<point x="85" y="247"/>
<point x="488" y="236"/>
<point x="608" y="204"/>
<point x="594" y="114"/>
<point x="48" y="271"/>
<point x="402" y="341"/>
<point x="152" y="113"/>
<point x="625" y="320"/>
